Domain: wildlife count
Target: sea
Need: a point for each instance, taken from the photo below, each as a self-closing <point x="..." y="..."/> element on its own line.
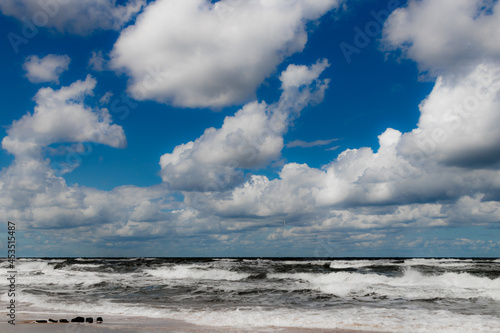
<point x="371" y="294"/>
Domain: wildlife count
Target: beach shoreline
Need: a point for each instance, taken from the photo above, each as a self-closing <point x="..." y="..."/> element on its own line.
<point x="292" y="295"/>
<point x="125" y="324"/>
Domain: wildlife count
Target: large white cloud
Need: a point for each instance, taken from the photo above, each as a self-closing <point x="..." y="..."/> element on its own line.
<point x="459" y="121"/>
<point x="251" y="138"/>
<point x="46" y="69"/>
<point x="78" y="17"/>
<point x="443" y="173"/>
<point x="61" y="116"/>
<point x="459" y="118"/>
<point x="32" y="193"/>
<point x="450" y="36"/>
<point x="193" y="53"/>
<point x="451" y="158"/>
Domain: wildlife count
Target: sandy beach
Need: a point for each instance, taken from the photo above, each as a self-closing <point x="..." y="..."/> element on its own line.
<point x="141" y="324"/>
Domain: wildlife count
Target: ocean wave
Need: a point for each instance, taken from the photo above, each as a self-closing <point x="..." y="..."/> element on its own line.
<point x="339" y="293"/>
<point x="196" y="273"/>
<point x="412" y="285"/>
<point x="342" y="264"/>
<point x="350" y="318"/>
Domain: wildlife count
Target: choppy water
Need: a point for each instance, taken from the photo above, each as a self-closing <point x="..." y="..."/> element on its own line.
<point x="397" y="295"/>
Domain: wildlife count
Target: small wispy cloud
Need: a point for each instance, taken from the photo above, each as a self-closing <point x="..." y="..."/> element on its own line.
<point x="333" y="148"/>
<point x="305" y="144"/>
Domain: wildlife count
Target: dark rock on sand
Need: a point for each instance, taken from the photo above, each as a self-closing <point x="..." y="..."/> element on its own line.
<point x="78" y="320"/>
<point x="89" y="320"/>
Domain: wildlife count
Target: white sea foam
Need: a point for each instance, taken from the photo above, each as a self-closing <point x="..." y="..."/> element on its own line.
<point x="300" y="262"/>
<point x="363" y="318"/>
<point x="196" y="273"/>
<point x="36" y="266"/>
<point x="446" y="262"/>
<point x="37" y="273"/>
<point x="84" y="266"/>
<point x="339" y="264"/>
<point x="412" y="285"/>
<point x="359" y="318"/>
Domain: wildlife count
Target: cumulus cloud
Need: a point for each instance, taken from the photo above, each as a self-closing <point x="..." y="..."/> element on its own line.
<point x="448" y="164"/>
<point x="61" y="116"/>
<point x="219" y="56"/>
<point x="33" y="194"/>
<point x="46" y="69"/>
<point x="459" y="117"/>
<point x="30" y="190"/>
<point x="251" y="138"/>
<point x="76" y="17"/>
<point x="361" y="178"/>
<point x="468" y="34"/>
<point x="459" y="121"/>
<point x="443" y="173"/>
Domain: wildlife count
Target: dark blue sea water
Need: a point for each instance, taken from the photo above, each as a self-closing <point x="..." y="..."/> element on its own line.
<point x="391" y="294"/>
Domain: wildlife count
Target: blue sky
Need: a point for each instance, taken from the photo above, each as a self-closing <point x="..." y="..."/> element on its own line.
<point x="251" y="128"/>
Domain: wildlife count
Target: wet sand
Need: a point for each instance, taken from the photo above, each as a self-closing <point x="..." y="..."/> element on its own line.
<point x="141" y="324"/>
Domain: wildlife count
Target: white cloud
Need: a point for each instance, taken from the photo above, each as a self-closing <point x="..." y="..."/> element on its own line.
<point x="30" y="190"/>
<point x="251" y="138"/>
<point x="61" y="116"/>
<point x="222" y="53"/>
<point x="459" y="121"/>
<point x="96" y="61"/>
<point x="361" y="178"/>
<point x="31" y="193"/>
<point x="106" y="98"/>
<point x="450" y="159"/>
<point x="76" y="17"/>
<point x="443" y="172"/>
<point x="46" y="69"/>
<point x="305" y="144"/>
<point x="446" y="35"/>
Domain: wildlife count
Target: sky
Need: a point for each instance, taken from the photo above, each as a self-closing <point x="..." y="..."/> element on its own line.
<point x="316" y="128"/>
